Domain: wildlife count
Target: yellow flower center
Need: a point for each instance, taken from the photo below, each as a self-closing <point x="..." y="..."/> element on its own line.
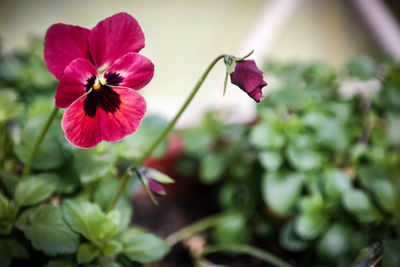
<point x="97" y="85"/>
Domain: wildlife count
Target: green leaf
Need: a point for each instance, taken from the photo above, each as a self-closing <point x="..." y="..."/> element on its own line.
<point x="159" y="176"/>
<point x="50" y="154"/>
<point x="232" y="230"/>
<point x="86" y="253"/>
<point x="302" y="155"/>
<point x="303" y="159"/>
<point x="386" y="195"/>
<point x="9" y="107"/>
<point x="391" y="256"/>
<point x="289" y="240"/>
<point x="211" y="168"/>
<point x="112" y="248"/>
<point x="265" y="136"/>
<point x="369" y="174"/>
<point x="270" y="160"/>
<point x="10" y="180"/>
<point x="362" y="67"/>
<point x="359" y="204"/>
<point x="288" y="96"/>
<point x="313" y="218"/>
<point x="337" y="183"/>
<point x="10" y="249"/>
<point x="47" y="231"/>
<point x="94" y="163"/>
<point x="141" y="246"/>
<point x="8" y="212"/>
<point x="330" y="132"/>
<point x="87" y="219"/>
<point x="334" y="244"/>
<point x="103" y="196"/>
<point x="69" y="180"/>
<point x="281" y="191"/>
<point x="33" y="189"/>
<point x="4" y="207"/>
<point x="310" y="226"/>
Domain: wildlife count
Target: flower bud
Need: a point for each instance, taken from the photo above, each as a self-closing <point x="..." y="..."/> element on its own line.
<point x="249" y="78"/>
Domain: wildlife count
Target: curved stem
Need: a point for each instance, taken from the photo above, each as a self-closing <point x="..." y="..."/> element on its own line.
<point x="39" y="140"/>
<point x="163" y="134"/>
<point x="249" y="250"/>
<point x="195" y="228"/>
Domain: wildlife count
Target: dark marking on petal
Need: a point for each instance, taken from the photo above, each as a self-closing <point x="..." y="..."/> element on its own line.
<point x="89" y="83"/>
<point x="105" y="98"/>
<point x="113" y="78"/>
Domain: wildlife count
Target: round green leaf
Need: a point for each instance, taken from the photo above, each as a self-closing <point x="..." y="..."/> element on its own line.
<point x="112" y="248"/>
<point x="88" y="219"/>
<point x="266" y="136"/>
<point x="141" y="246"/>
<point x="337" y="183"/>
<point x="334" y="243"/>
<point x="310" y="226"/>
<point x="33" y="189"/>
<point x="289" y="240"/>
<point x="359" y="204"/>
<point x="270" y="160"/>
<point x="86" y="253"/>
<point x="95" y="163"/>
<point x="281" y="191"/>
<point x="303" y="159"/>
<point x="211" y="168"/>
<point x="232" y="230"/>
<point x="386" y="195"/>
<point x="47" y="231"/>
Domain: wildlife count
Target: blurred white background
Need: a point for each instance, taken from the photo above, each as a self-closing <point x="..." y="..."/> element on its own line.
<point x="183" y="36"/>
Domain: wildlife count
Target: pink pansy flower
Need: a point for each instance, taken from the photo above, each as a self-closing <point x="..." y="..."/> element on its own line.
<point x="99" y="71"/>
<point x="249" y="78"/>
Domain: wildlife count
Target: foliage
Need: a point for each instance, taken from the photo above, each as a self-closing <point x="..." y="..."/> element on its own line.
<point x="56" y="216"/>
<point x="318" y="171"/>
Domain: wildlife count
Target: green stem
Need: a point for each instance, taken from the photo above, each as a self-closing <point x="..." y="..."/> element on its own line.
<point x="194" y="228"/>
<point x="39" y="140"/>
<point x="249" y="250"/>
<point x="162" y="135"/>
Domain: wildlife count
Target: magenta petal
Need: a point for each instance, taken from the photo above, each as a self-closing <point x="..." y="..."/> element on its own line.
<point x="64" y="43"/>
<point x="126" y="119"/>
<point x="249" y="78"/>
<point x="73" y="83"/>
<point x="81" y="130"/>
<point x="256" y="94"/>
<point x="156" y="187"/>
<point x="132" y="70"/>
<point x="86" y="131"/>
<point x="114" y="37"/>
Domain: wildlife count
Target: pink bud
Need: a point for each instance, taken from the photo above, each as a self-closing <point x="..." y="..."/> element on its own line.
<point x="249" y="78"/>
